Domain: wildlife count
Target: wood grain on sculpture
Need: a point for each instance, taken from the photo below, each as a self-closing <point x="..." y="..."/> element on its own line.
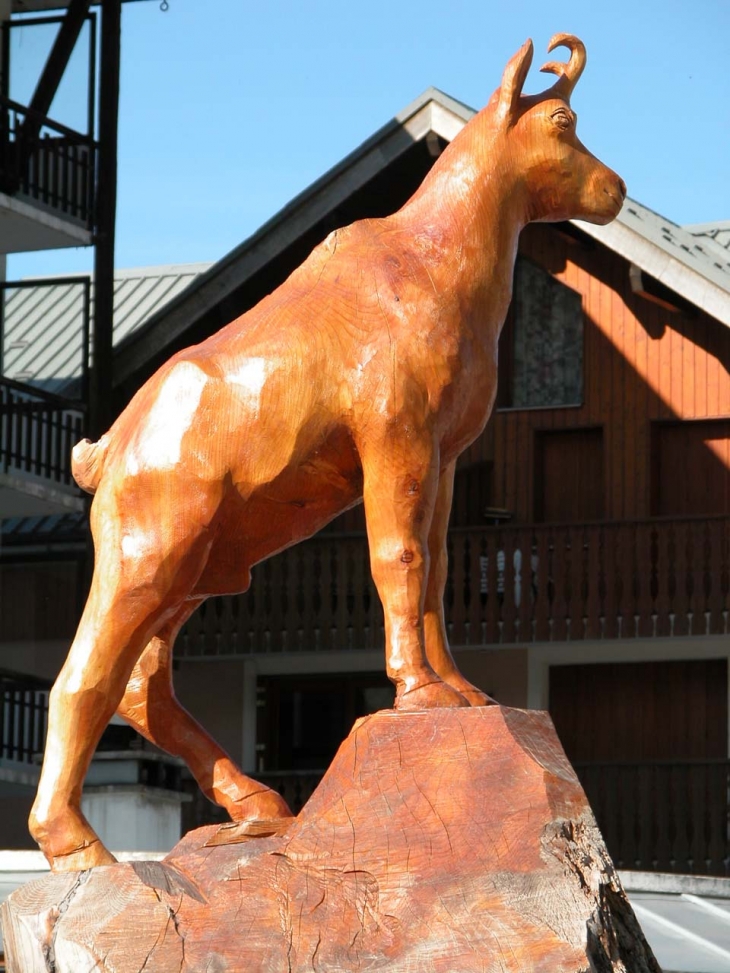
<point x="362" y="377"/>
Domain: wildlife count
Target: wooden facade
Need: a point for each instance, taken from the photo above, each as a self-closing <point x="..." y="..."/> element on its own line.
<point x="645" y="368"/>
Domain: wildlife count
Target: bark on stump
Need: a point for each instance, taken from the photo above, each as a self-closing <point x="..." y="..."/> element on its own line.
<point x="448" y="841"/>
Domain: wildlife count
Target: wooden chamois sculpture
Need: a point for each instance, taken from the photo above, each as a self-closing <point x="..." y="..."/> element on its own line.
<point x="363" y="376"/>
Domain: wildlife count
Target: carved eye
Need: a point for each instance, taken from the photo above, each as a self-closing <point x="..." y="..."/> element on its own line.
<point x="562" y="118"/>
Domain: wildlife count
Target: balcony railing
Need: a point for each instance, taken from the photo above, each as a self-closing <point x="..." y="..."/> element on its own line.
<point x="506" y="585"/>
<point x="663" y="816"/>
<point x="23" y="718"/>
<point x="56" y="168"/>
<point x="37" y="432"/>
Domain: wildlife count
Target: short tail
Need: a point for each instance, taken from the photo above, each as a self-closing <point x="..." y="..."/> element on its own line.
<point x="87" y="463"/>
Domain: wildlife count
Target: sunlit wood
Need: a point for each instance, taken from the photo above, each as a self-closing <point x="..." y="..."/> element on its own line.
<point x="362" y="377"/>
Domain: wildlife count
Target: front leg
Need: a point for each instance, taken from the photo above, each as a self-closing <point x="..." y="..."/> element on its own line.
<point x="437" y="643"/>
<point x="399" y="492"/>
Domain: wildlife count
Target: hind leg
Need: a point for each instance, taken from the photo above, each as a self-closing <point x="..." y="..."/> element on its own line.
<point x="81" y="703"/>
<point x="143" y="573"/>
<point x="149" y="705"/>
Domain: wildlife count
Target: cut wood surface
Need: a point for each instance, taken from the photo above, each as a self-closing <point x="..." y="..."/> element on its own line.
<point x="446" y="840"/>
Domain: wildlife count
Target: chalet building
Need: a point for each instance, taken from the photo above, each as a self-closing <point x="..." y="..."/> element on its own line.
<point x="590" y="533"/>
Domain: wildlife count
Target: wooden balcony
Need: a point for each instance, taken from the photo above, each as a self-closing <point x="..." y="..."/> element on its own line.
<point x="507" y="585"/>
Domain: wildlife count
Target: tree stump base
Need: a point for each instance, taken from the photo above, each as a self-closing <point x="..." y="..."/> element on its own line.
<point x="448" y="841"/>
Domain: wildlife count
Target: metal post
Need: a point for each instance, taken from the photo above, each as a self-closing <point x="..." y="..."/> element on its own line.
<point x="100" y="405"/>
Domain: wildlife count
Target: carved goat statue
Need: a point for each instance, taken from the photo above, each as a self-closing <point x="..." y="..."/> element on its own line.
<point x="362" y="377"/>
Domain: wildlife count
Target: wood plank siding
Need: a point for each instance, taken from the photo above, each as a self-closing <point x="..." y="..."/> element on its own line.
<point x="643" y="365"/>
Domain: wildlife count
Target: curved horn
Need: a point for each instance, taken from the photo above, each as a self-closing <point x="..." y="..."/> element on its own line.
<point x="569" y="73"/>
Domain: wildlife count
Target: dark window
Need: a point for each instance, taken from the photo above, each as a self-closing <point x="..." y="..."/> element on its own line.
<point x="541" y="346"/>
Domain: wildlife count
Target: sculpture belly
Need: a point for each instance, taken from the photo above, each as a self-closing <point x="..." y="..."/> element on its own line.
<point x="279" y="513"/>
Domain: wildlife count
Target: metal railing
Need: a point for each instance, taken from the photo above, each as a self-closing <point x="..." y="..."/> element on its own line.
<point x="38" y="431"/>
<point x="56" y="168"/>
<point x="23" y="718"/>
<point x="506" y="585"/>
<point x="669" y="816"/>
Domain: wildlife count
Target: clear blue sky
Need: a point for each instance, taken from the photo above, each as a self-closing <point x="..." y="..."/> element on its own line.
<point x="229" y="108"/>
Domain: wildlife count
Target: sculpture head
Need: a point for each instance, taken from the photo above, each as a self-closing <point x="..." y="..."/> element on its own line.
<point x="557" y="176"/>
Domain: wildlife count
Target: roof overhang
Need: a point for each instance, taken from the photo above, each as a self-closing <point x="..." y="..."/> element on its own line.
<point x="662" y="266"/>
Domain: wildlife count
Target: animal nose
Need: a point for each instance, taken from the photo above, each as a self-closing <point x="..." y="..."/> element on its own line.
<point x="622" y="187"/>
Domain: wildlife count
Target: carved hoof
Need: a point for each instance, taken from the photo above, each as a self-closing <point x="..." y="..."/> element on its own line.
<point x="476" y="697"/>
<point x="68" y="841"/>
<point x="430" y="696"/>
<point x="81" y="858"/>
<point x="263" y="805"/>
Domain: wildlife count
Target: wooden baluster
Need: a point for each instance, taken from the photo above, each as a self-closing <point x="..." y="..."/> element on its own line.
<point x="457" y="584"/>
<point x="251" y="613"/>
<point x="627" y="566"/>
<point x="476" y="627"/>
<point x="509" y="583"/>
<point x="488" y="560"/>
<point x="611" y="581"/>
<point x="287" y="593"/>
<point x="611" y="822"/>
<point x="340" y="594"/>
<point x="715" y="572"/>
<point x="664" y="578"/>
<point x="698" y="555"/>
<point x="524" y="632"/>
<point x="328" y="599"/>
<point x="659" y="808"/>
<point x="543" y="594"/>
<point x="594" y="581"/>
<point x="227" y="640"/>
<point x="643" y="580"/>
<point x="717" y="805"/>
<point x="646" y="829"/>
<point x="359" y="587"/>
<point x="310" y="581"/>
<point x="680" y="804"/>
<point x="682" y="579"/>
<point x="576" y="595"/>
<point x="697" y="776"/>
<point x="561" y="555"/>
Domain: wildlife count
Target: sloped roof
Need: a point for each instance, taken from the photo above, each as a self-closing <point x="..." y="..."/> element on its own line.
<point x="43" y="322"/>
<point x="718" y="233"/>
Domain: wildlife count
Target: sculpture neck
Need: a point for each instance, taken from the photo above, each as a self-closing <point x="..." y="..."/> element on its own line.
<point x="472" y="216"/>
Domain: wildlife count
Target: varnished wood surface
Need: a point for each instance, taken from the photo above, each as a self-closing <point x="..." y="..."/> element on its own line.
<point x="643" y="364"/>
<point x="363" y="376"/>
<point x="454" y="840"/>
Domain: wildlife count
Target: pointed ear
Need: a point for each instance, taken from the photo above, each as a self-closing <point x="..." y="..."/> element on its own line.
<point x="513" y="79"/>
